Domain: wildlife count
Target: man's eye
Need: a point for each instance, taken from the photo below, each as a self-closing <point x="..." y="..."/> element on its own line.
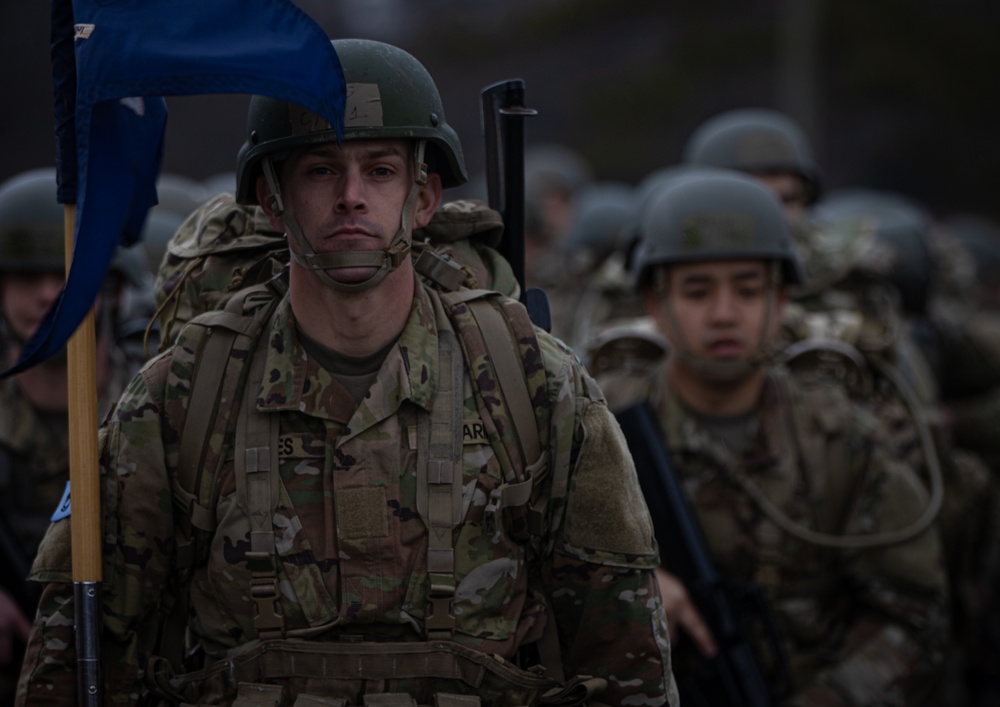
<point x="382" y="172"/>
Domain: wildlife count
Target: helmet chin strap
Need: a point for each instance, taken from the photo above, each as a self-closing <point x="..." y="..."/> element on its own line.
<point x="737" y="369"/>
<point x="321" y="263"/>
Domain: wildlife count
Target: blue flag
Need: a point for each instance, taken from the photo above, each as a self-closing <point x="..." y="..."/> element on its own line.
<point x="113" y="61"/>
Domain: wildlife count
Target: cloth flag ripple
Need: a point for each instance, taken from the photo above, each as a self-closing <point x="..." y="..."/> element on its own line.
<point x="113" y="61"/>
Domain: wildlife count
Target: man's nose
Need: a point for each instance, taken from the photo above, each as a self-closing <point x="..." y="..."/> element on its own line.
<point x="351" y="194"/>
<point x="724" y="305"/>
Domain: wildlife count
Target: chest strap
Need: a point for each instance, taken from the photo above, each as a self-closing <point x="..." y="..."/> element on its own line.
<point x="439" y="484"/>
<point x="257" y="488"/>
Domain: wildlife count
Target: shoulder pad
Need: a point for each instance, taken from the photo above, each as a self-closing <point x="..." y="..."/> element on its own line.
<point x="626" y="347"/>
<point x="221" y="225"/>
<point x="812" y="361"/>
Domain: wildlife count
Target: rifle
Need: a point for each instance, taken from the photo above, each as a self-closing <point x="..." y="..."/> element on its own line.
<point x="735" y="677"/>
<point x="503" y="113"/>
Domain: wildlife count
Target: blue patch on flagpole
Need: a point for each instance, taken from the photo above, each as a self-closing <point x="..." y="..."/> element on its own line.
<point x="62" y="511"/>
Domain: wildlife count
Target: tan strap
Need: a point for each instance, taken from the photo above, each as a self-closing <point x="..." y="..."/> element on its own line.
<point x="510" y="374"/>
<point x="439" y="484"/>
<point x="291" y="658"/>
<point x="316" y="701"/>
<point x="258" y="695"/>
<point x="445" y="699"/>
<point x="389" y="699"/>
<point x="257" y="488"/>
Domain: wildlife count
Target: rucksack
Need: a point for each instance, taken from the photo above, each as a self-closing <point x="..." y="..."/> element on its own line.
<point x="224" y="247"/>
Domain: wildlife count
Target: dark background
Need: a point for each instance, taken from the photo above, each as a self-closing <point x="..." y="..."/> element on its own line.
<point x="894" y="94"/>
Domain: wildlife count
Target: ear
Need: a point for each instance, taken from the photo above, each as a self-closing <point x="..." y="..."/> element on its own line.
<point x="428" y="200"/>
<point x="264" y="199"/>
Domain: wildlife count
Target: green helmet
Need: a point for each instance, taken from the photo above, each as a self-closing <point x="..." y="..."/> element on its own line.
<point x="32" y="235"/>
<point x="714" y="215"/>
<point x="755" y="140"/>
<point x="901" y="231"/>
<point x="602" y="211"/>
<point x="389" y="95"/>
<point x="31" y="223"/>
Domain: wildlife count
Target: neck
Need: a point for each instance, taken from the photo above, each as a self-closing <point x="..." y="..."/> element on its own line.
<point x="710" y="396"/>
<point x="351" y="323"/>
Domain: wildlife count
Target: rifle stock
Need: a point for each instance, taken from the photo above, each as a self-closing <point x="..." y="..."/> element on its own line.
<point x="503" y="113"/>
<point x="735" y="676"/>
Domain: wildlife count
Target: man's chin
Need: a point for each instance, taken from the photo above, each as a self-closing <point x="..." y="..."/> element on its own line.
<point x="351" y="276"/>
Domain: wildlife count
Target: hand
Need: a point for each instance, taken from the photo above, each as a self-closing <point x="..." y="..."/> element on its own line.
<point x="682" y="613"/>
<point x="13" y="624"/>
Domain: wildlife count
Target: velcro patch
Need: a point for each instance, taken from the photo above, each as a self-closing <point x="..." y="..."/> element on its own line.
<point x="474" y="432"/>
<point x="301" y="445"/>
<point x="362" y="513"/>
<point x="63" y="509"/>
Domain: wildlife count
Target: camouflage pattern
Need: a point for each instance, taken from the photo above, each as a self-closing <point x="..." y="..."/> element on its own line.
<point x="351" y="544"/>
<point x="224" y="246"/>
<point x="38" y="445"/>
<point x="861" y="627"/>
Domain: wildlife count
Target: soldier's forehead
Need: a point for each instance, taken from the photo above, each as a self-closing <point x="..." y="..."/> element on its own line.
<point x="718" y="270"/>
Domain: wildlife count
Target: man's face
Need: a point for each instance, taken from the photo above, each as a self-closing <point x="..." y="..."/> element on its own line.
<point x="791" y="192"/>
<point x="718" y="309"/>
<point x="349" y="197"/>
<point x="27" y="296"/>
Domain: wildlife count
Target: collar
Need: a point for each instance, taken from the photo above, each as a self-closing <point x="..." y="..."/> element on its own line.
<point x="294" y="381"/>
<point x="776" y="447"/>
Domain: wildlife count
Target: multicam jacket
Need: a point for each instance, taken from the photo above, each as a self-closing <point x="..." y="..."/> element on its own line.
<point x="860" y="627"/>
<point x="36" y="447"/>
<point x="352" y="546"/>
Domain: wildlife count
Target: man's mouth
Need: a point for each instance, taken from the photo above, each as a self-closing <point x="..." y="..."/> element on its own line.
<point x="726" y="347"/>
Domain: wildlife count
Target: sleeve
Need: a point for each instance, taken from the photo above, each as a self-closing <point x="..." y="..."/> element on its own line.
<point x="137" y="531"/>
<point x="894" y="648"/>
<point x="600" y="575"/>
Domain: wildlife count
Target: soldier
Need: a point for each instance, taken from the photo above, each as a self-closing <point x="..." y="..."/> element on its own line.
<point x="554" y="176"/>
<point x="596" y="255"/>
<point x="376" y="505"/>
<point x="34" y="425"/>
<point x="793" y="485"/>
<point x="765" y="144"/>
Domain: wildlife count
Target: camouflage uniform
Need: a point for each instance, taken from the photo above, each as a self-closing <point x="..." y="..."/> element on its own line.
<point x="351" y="544"/>
<point x="37" y="446"/>
<point x="861" y="627"/>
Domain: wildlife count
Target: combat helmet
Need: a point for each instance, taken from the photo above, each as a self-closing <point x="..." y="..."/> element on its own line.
<point x="755" y="140"/>
<point x="713" y="215"/>
<point x="32" y="235"/>
<point x="899" y="248"/>
<point x="31" y="223"/>
<point x="389" y="95"/>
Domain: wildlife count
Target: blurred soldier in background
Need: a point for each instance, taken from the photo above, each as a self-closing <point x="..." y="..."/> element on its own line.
<point x="896" y="300"/>
<point x="765" y="144"/>
<point x="596" y="259"/>
<point x="553" y="177"/>
<point x="794" y="486"/>
<point x="34" y="426"/>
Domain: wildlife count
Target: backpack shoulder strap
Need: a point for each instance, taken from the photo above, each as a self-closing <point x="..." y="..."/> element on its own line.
<point x="509" y="380"/>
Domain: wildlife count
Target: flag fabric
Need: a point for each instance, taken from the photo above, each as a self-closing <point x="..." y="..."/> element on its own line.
<point x="110" y="115"/>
